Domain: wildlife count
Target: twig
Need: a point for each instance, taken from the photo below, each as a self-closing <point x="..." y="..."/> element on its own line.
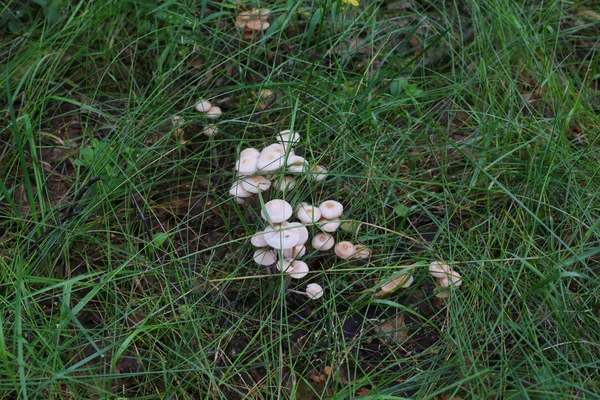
<point x="143" y="217"/>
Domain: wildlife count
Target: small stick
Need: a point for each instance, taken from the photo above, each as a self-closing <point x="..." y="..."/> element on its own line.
<point x="143" y="217"/>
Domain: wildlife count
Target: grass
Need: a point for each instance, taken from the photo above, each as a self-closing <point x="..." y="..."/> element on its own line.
<point x="459" y="131"/>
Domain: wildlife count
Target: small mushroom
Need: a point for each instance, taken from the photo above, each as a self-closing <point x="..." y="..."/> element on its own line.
<point x="264" y="256"/>
<point x="296" y="164"/>
<point x="344" y="250"/>
<point x="403" y="281"/>
<point x="318" y="173"/>
<point x="323" y="242"/>
<point x="285" y="183"/>
<point x="246" y="164"/>
<point x="299" y="269"/>
<point x="254" y="20"/>
<point x="270" y="161"/>
<point x="439" y="270"/>
<point x="294" y="252"/>
<point x="362" y="251"/>
<point x="300" y="230"/>
<point x="258" y="240"/>
<point x="328" y="225"/>
<point x="256" y="184"/>
<point x="331" y="209"/>
<point x="210" y="130"/>
<point x="238" y="191"/>
<point x="307" y="213"/>
<point x="314" y="291"/>
<point x="281" y="237"/>
<point x="276" y="211"/>
<point x="203" y="106"/>
<point x="214" y="112"/>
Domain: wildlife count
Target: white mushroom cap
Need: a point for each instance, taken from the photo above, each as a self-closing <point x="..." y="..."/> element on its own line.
<point x="307" y="213"/>
<point x="362" y="251"/>
<point x="442" y="294"/>
<point x="210" y="130"/>
<point x="246" y="164"/>
<point x="294" y="252"/>
<point x="323" y="241"/>
<point x="274" y="148"/>
<point x="344" y="250"/>
<point x="250" y="152"/>
<point x="453" y="279"/>
<point x="214" y="113"/>
<point x="177" y="121"/>
<point x="314" y="291"/>
<point x="280" y="237"/>
<point x="287" y="136"/>
<point x="284" y="265"/>
<point x="329" y="226"/>
<point x="404" y="281"/>
<point x="276" y="211"/>
<point x="258" y="240"/>
<point x="299" y="269"/>
<point x="203" y="106"/>
<point x="439" y="270"/>
<point x="318" y="173"/>
<point x="238" y="191"/>
<point x="331" y="209"/>
<point x="301" y="230"/>
<point x="270" y="161"/>
<point x="296" y="164"/>
<point x="285" y="183"/>
<point x="265" y="256"/>
<point x="256" y="184"/>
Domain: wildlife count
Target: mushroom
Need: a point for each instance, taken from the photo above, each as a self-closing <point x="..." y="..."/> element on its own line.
<point x="344" y="250"/>
<point x="264" y="256"/>
<point x="331" y="209"/>
<point x="329" y="226"/>
<point x="270" y="161"/>
<point x="403" y="281"/>
<point x="307" y="213"/>
<point x="362" y="251"/>
<point x="276" y="211"/>
<point x="300" y="230"/>
<point x="288" y="138"/>
<point x="210" y="130"/>
<point x="323" y="241"/>
<point x="299" y="269"/>
<point x="314" y="291"/>
<point x="238" y="191"/>
<point x="253" y="21"/>
<point x="214" y="113"/>
<point x="294" y="252"/>
<point x="246" y="164"/>
<point x="318" y="173"/>
<point x="258" y="239"/>
<point x="280" y="237"/>
<point x="296" y="164"/>
<point x="285" y="183"/>
<point x="439" y="270"/>
<point x="256" y="184"/>
<point x="203" y="106"/>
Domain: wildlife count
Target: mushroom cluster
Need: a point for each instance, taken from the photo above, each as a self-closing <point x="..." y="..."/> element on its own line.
<point x="253" y="22"/>
<point x="259" y="170"/>
<point x="445" y="277"/>
<point x="284" y="241"/>
<point x="212" y="112"/>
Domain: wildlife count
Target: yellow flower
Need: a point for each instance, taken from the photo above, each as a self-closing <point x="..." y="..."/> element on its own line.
<point x="352" y="2"/>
